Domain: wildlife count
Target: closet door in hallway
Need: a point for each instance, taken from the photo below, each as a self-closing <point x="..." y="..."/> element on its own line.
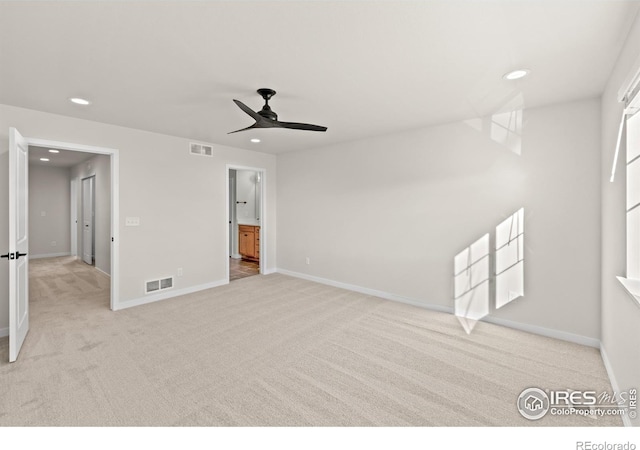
<point x="87" y="220"/>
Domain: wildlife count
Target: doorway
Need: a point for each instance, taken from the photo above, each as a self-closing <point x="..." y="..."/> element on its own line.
<point x="70" y="207"/>
<point x="105" y="185"/>
<point x="245" y="211"/>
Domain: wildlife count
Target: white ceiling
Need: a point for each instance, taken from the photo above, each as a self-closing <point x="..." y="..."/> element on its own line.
<point x="62" y="159"/>
<point x="361" y="68"/>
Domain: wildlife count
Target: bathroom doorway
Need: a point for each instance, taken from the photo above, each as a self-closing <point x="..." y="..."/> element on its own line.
<point x="245" y="208"/>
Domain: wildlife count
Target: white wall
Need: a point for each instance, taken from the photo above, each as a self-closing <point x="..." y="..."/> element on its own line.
<point x="390" y="213"/>
<point x="49" y="194"/>
<point x="620" y="315"/>
<point x="98" y="166"/>
<point x="179" y="198"/>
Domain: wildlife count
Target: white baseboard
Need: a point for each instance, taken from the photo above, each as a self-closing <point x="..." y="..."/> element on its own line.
<point x="269" y="271"/>
<point x="170" y="293"/>
<point x="49" y="255"/>
<point x="564" y="336"/>
<point x="614" y="382"/>
<point x="548" y="332"/>
<point x="4" y="332"/>
<point x="367" y="291"/>
<point x="103" y="272"/>
<point x="236" y="256"/>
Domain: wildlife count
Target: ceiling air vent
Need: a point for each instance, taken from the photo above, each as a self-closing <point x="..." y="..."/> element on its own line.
<point x="200" y="149"/>
<point x="158" y="285"/>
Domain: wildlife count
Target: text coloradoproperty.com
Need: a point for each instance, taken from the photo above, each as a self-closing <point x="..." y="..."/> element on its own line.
<point x="569" y="410"/>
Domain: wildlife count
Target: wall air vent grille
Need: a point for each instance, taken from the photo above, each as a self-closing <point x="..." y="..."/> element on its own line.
<point x="166" y="283"/>
<point x="200" y="149"/>
<point x="152" y="286"/>
<point x="158" y="285"/>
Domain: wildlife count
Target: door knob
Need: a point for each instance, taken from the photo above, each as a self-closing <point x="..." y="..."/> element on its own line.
<point x="18" y="255"/>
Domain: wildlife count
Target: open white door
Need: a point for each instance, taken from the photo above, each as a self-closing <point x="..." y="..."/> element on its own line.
<point x="18" y="241"/>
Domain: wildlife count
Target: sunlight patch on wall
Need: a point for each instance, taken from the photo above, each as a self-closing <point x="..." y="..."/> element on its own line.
<point x="485" y="280"/>
<point x="471" y="283"/>
<point x="510" y="259"/>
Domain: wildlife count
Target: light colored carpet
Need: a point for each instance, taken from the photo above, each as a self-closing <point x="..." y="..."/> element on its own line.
<point x="271" y="350"/>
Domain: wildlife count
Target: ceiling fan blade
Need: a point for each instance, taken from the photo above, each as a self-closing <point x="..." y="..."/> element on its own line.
<point x="300" y="126"/>
<point x="261" y="122"/>
<point x="248" y="110"/>
<point x="255" y="125"/>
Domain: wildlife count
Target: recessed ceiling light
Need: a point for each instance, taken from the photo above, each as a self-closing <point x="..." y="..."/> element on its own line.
<point x="44" y="159"/>
<point x="79" y="101"/>
<point x="516" y="74"/>
<point x="54" y="151"/>
<point x="255" y="140"/>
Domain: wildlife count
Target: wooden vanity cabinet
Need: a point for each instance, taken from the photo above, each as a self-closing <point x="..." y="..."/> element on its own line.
<point x="249" y="242"/>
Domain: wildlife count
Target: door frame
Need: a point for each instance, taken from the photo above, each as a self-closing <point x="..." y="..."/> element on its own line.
<point x="114" y="158"/>
<point x="263" y="215"/>
<point x="92" y="184"/>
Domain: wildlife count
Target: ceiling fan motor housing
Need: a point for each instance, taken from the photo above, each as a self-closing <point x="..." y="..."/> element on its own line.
<point x="266" y="111"/>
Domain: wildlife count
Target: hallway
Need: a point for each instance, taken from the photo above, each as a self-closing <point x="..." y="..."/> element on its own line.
<point x="65" y="285"/>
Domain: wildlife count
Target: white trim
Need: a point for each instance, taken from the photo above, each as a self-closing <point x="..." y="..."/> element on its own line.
<point x="630" y="83"/>
<point x="237" y="256"/>
<point x="70" y="146"/>
<point x="115" y="203"/>
<point x="542" y="331"/>
<point x="270" y="271"/>
<point x="617" y="151"/>
<point x="115" y="230"/>
<point x="614" y="382"/>
<point x="368" y="291"/>
<point x="562" y="335"/>
<point x="4" y="332"/>
<point x="631" y="287"/>
<point x="169" y="294"/>
<point x="102" y="272"/>
<point x="49" y="255"/>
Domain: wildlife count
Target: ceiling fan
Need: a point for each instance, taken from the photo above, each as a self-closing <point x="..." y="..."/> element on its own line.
<point x="267" y="118"/>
